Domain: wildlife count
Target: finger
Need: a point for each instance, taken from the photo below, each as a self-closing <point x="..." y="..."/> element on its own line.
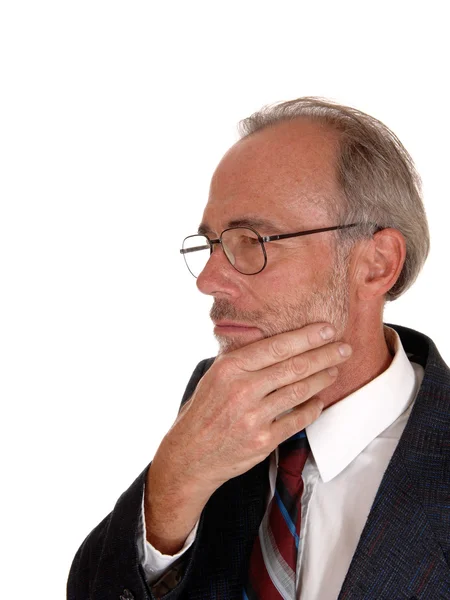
<point x="299" y="418"/>
<point x="277" y="348"/>
<point x="301" y="366"/>
<point x="290" y="396"/>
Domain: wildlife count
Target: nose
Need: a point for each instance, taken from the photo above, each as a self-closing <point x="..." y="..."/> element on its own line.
<point x="219" y="278"/>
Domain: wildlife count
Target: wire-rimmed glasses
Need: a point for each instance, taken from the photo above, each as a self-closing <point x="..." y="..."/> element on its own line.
<point x="243" y="247"/>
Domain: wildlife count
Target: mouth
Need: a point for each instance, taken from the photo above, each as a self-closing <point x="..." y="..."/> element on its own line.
<point x="223" y="327"/>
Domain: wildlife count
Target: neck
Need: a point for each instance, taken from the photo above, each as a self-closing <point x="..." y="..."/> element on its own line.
<point x="370" y="357"/>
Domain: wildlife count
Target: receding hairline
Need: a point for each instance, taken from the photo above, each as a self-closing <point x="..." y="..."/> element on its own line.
<point x="327" y="143"/>
<point x="376" y="174"/>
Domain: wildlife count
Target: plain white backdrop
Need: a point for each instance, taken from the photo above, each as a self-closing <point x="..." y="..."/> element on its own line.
<point x="113" y="116"/>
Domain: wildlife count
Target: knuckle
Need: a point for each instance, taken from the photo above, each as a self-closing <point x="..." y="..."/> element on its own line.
<point x="311" y="413"/>
<point x="236" y="391"/>
<point x="300" y="390"/>
<point x="252" y="388"/>
<point x="300" y="365"/>
<point x="312" y="337"/>
<point x="262" y="440"/>
<point x="220" y="365"/>
<point x="323" y="380"/>
<point x="330" y="357"/>
<point x="236" y="363"/>
<point x="280" y="349"/>
<point x="226" y="365"/>
<point x="250" y="423"/>
<point x="326" y="358"/>
<point x="332" y="352"/>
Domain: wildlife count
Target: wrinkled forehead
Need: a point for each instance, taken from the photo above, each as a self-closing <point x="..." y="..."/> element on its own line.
<point x="285" y="173"/>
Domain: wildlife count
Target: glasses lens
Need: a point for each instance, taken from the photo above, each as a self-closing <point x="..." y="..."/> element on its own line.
<point x="196" y="252"/>
<point x="243" y="250"/>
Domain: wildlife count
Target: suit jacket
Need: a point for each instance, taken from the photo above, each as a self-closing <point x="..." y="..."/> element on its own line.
<point x="403" y="552"/>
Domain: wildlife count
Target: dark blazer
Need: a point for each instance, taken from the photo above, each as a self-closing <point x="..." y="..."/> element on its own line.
<point x="403" y="552"/>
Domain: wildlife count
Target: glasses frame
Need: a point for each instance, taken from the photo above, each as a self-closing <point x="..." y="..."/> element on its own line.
<point x="261" y="238"/>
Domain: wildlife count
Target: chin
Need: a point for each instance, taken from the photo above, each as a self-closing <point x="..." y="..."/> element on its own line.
<point x="228" y="344"/>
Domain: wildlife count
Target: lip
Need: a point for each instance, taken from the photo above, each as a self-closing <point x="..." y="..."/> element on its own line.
<point x="232" y="328"/>
<point x="233" y="324"/>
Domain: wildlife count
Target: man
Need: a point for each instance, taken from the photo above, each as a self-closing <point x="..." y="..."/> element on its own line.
<point x="311" y="458"/>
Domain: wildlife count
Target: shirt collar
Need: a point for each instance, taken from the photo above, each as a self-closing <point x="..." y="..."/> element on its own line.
<point x="344" y="429"/>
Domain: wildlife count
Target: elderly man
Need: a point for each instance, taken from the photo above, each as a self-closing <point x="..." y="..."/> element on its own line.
<point x="311" y="458"/>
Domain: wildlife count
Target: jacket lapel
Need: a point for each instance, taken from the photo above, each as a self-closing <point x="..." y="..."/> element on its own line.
<point x="405" y="545"/>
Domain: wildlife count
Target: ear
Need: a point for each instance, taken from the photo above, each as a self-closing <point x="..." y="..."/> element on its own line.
<point x="379" y="263"/>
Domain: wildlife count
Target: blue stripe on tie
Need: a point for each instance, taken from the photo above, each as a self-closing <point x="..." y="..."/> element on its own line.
<point x="244" y="595"/>
<point x="287" y="518"/>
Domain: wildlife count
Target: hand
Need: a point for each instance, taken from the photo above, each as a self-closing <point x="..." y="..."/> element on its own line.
<point x="237" y="414"/>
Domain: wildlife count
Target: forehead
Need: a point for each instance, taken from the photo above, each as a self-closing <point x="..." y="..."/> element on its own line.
<point x="284" y="174"/>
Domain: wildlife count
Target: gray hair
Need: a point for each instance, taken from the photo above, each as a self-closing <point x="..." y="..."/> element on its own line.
<point x="380" y="185"/>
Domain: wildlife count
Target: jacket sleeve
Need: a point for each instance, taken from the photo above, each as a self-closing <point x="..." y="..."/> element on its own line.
<point x="107" y="566"/>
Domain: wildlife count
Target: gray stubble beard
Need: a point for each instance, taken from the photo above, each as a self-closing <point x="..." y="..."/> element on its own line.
<point x="330" y="305"/>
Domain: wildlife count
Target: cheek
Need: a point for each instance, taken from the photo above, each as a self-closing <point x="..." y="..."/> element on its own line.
<point x="292" y="274"/>
<point x="296" y="273"/>
<point x="283" y="284"/>
<point x="304" y="259"/>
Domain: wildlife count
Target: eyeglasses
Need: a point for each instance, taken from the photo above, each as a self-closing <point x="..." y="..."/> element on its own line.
<point x="243" y="247"/>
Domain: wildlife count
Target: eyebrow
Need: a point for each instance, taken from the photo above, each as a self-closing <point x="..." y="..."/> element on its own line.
<point x="261" y="225"/>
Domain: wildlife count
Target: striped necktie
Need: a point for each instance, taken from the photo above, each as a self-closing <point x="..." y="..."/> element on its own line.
<point x="273" y="560"/>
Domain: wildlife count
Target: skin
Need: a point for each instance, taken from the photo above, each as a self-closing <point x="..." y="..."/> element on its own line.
<point x="273" y="377"/>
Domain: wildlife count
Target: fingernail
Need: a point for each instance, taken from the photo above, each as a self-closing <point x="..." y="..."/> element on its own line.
<point x="333" y="371"/>
<point x="345" y="350"/>
<point x="327" y="332"/>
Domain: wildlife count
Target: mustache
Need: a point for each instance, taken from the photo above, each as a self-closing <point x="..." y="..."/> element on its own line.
<point x="224" y="310"/>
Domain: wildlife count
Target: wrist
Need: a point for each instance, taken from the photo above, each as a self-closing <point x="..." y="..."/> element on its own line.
<point x="172" y="509"/>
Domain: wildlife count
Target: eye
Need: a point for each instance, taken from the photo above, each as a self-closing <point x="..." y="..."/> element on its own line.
<point x="248" y="240"/>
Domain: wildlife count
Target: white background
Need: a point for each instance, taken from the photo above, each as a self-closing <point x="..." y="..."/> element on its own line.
<point x="113" y="116"/>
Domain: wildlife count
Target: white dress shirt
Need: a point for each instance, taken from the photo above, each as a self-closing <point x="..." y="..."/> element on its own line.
<point x="351" y="443"/>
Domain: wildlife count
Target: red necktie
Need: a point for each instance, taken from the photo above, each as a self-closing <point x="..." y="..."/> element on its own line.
<point x="273" y="560"/>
